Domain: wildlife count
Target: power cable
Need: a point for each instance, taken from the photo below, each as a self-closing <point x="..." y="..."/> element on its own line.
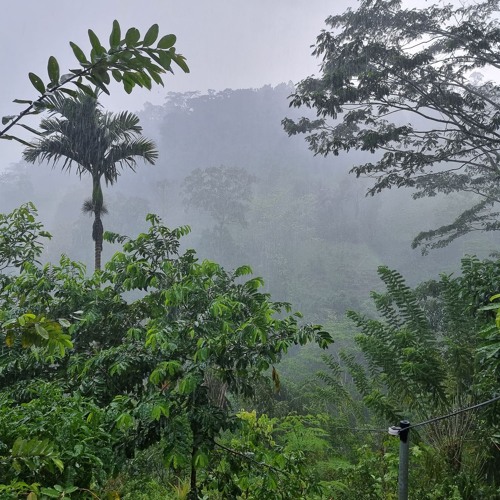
<point x="452" y="414"/>
<point x="359" y="429"/>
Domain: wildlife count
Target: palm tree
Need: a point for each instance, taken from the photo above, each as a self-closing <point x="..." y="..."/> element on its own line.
<point x="97" y="143"/>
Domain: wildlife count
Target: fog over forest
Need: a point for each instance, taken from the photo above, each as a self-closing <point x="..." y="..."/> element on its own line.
<point x="176" y="371"/>
<point x="319" y="229"/>
<point x="308" y="227"/>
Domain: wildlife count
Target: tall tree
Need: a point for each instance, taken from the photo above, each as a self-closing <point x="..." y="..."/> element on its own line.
<point x="405" y="83"/>
<point x="79" y="133"/>
<point x="223" y="192"/>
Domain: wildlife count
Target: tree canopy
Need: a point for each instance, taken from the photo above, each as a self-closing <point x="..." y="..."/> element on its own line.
<point x="223" y="192"/>
<point x="408" y="85"/>
<point x="79" y="134"/>
<point x="157" y="368"/>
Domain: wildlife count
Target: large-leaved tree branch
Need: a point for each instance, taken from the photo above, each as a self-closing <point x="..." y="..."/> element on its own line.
<point x="130" y="60"/>
<point x="404" y="83"/>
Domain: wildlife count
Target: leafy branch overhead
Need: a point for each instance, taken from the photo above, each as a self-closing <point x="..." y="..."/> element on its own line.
<point x="130" y="60"/>
<point x="407" y="85"/>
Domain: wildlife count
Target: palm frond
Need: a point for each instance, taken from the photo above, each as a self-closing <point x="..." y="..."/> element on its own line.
<point x="126" y="154"/>
<point x="54" y="149"/>
<point x="123" y="126"/>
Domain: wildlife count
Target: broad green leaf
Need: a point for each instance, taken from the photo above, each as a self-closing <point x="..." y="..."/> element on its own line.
<point x="125" y="56"/>
<point x="181" y="62"/>
<point x="86" y="89"/>
<point x="37" y="82"/>
<point x="151" y="36"/>
<point x="165" y="60"/>
<point x="200" y="459"/>
<point x="41" y="331"/>
<point x="146" y="80"/>
<point x="156" y="77"/>
<point x="58" y="463"/>
<point x="101" y="74"/>
<point x="115" y="37"/>
<point x="159" y="410"/>
<point x="53" y="70"/>
<point x="72" y="93"/>
<point x="96" y="44"/>
<point x="66" y="77"/>
<point x="18" y="446"/>
<point x="9" y="338"/>
<point x="50" y="492"/>
<point x="490" y="307"/>
<point x="167" y="41"/>
<point x="124" y="421"/>
<point x="79" y="53"/>
<point x="132" y="37"/>
<point x="201" y="355"/>
<point x="117" y="75"/>
<point x="128" y="85"/>
<point x="187" y="385"/>
<point x="64" y="322"/>
<point x="98" y="83"/>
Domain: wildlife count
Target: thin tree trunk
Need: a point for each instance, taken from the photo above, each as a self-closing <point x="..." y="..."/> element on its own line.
<point x="97" y="257"/>
<point x="97" y="231"/>
<point x="97" y="228"/>
<point x="193" y="494"/>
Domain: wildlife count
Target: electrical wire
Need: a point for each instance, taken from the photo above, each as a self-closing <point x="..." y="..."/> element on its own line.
<point x="359" y="429"/>
<point x="452" y="414"/>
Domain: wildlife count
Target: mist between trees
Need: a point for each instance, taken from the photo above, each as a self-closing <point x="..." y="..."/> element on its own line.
<point x="302" y="221"/>
<point x="158" y="375"/>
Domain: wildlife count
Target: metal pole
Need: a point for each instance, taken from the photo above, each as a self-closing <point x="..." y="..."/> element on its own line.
<point x="404" y="448"/>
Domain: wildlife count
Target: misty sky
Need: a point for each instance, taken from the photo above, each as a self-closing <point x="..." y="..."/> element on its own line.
<point x="228" y="43"/>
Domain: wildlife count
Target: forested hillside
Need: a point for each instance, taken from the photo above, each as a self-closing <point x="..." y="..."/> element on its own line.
<point x="308" y="226"/>
<point x="194" y="306"/>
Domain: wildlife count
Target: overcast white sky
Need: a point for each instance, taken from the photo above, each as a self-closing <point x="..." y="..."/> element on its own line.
<point x="227" y="43"/>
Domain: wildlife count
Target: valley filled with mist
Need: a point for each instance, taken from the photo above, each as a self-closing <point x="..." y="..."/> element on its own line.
<point x="307" y="226"/>
<point x="276" y="290"/>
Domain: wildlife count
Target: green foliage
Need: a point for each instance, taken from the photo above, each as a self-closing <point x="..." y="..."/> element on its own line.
<point x="405" y="82"/>
<point x="261" y="460"/>
<point x="34" y="330"/>
<point x="131" y="61"/>
<point x="20" y="247"/>
<point x="19" y="237"/>
<point x="54" y="438"/>
<point x="157" y="367"/>
<point x="488" y="358"/>
<point x="217" y="334"/>
<point x="424" y="357"/>
<point x="373" y="475"/>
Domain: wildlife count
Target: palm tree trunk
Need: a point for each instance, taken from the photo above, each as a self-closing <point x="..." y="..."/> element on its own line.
<point x="97" y="232"/>
<point x="97" y="228"/>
